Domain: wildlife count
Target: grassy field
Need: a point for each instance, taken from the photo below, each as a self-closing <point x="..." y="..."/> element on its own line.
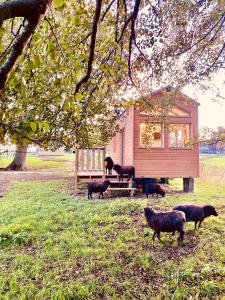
<point x="218" y="161"/>
<point x="54" y="246"/>
<point x="36" y="163"/>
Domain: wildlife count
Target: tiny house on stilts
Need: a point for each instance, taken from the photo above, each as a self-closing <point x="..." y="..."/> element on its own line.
<point x="170" y="155"/>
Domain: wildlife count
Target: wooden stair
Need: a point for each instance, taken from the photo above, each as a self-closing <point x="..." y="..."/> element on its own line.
<point x="121" y="186"/>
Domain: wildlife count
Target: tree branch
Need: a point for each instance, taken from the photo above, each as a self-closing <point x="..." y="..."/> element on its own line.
<point x="31" y="10"/>
<point x="28" y="9"/>
<point x="92" y="46"/>
<point x="20" y="133"/>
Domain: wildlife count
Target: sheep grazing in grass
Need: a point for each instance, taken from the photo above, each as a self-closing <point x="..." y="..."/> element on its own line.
<point x="166" y="222"/>
<point x="122" y="170"/>
<point x="95" y="187"/>
<point x="196" y="213"/>
<point x="154" y="189"/>
<point x="108" y="165"/>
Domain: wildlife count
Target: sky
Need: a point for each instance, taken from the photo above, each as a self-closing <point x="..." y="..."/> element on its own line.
<point x="211" y="113"/>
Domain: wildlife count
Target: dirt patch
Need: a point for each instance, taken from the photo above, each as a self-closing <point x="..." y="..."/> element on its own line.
<point x="7" y="178"/>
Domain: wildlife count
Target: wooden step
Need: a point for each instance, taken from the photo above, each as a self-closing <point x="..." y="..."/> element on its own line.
<point x="126" y="182"/>
<point x="130" y="189"/>
<point x="120" y="189"/>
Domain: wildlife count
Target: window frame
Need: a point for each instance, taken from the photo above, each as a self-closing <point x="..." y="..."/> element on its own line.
<point x="188" y="147"/>
<point x="162" y="136"/>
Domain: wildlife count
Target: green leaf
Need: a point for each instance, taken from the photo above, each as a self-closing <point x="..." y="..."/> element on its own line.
<point x="79" y="96"/>
<point x="37" y="61"/>
<point x="58" y="3"/>
<point x="46" y="126"/>
<point x="23" y="82"/>
<point x="33" y="126"/>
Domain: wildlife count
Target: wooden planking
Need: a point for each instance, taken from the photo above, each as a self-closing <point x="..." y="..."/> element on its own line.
<point x="129" y="138"/>
<point x="165" y="162"/>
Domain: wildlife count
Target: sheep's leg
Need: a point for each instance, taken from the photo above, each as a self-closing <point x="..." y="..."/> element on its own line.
<point x="147" y="196"/>
<point x="199" y="224"/>
<point x="154" y="234"/>
<point x="181" y="237"/>
<point x="196" y="222"/>
<point x="158" y="235"/>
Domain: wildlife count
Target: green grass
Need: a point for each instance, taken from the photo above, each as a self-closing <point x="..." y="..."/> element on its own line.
<point x="218" y="161"/>
<point x="66" y="156"/>
<point x="35" y="162"/>
<point x="54" y="246"/>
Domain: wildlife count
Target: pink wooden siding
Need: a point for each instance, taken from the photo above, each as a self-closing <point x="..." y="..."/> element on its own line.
<point x="168" y="162"/>
<point x="158" y="162"/>
<point x="128" y="153"/>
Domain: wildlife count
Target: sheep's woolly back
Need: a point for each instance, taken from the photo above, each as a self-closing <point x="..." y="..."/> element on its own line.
<point x="165" y="221"/>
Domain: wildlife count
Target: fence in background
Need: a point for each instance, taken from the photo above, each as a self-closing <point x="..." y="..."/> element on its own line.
<point x="212" y="174"/>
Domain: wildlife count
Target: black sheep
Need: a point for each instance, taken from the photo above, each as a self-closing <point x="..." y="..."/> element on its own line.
<point x="196" y="213"/>
<point x="109" y="165"/>
<point x="95" y="187"/>
<point x="170" y="221"/>
<point x="122" y="170"/>
<point x="154" y="188"/>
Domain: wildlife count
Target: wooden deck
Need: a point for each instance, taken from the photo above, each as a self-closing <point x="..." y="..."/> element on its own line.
<point x="85" y="176"/>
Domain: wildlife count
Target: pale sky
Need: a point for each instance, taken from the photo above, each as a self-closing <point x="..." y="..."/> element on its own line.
<point x="211" y="113"/>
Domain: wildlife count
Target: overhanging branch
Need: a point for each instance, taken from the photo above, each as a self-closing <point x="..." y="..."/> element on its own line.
<point x="30" y="10"/>
<point x="92" y="46"/>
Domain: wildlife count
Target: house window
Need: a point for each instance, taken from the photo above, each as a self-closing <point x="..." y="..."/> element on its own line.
<point x="151" y="135"/>
<point x="179" y="135"/>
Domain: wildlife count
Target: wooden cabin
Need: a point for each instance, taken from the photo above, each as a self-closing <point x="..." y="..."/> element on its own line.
<point x="170" y="153"/>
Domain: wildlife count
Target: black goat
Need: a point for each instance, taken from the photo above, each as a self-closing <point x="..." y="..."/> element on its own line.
<point x="154" y="188"/>
<point x="109" y="165"/>
<point x="122" y="170"/>
<point x="166" y="222"/>
<point x="196" y="213"/>
<point x="95" y="187"/>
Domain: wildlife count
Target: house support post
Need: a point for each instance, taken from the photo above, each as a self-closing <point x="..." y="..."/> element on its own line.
<point x="103" y="164"/>
<point x="164" y="180"/>
<point x="188" y="184"/>
<point x="76" y="171"/>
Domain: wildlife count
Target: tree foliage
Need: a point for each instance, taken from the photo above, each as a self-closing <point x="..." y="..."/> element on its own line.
<point x="66" y="82"/>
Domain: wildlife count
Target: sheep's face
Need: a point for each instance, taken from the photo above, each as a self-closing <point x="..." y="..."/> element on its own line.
<point x="148" y="210"/>
<point x="211" y="211"/>
<point x="108" y="159"/>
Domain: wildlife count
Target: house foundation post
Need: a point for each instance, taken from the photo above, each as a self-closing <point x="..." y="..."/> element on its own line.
<point x="76" y="171"/>
<point x="103" y="164"/>
<point x="188" y="184"/>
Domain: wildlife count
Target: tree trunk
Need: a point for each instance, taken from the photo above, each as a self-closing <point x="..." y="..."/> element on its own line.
<point x="19" y="161"/>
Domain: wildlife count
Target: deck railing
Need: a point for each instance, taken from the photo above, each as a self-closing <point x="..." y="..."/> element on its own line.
<point x="89" y="161"/>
